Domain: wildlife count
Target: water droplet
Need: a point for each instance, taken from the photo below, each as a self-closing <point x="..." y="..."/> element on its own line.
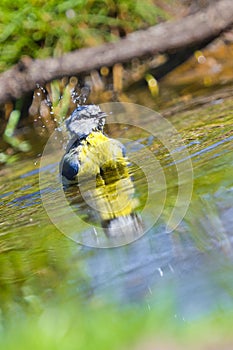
<point x="160" y="271"/>
<point x="201" y="59"/>
<point x="70" y="13"/>
<point x="150" y="291"/>
<point x="171" y="268"/>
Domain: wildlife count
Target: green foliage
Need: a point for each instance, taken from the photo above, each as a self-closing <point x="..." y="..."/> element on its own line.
<point x="39" y="28"/>
<point x="9" y="133"/>
<point x="73" y="327"/>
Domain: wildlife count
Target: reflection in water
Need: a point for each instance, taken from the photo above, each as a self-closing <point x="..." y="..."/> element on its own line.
<point x="99" y="165"/>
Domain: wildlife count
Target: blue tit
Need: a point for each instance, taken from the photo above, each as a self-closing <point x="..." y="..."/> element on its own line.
<point x="93" y="155"/>
<point x="90" y="151"/>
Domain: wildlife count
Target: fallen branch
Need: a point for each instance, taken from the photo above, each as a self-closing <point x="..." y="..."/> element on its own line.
<point x="163" y="38"/>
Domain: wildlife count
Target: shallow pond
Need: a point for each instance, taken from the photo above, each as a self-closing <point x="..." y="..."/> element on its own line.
<point x="194" y="262"/>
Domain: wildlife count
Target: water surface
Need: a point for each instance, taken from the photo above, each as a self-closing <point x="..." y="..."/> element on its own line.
<point x="194" y="262"/>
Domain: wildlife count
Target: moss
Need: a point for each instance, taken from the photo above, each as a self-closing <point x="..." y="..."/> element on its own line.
<point x="39" y="28"/>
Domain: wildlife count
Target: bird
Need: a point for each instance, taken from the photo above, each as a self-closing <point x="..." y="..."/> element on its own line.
<point x="100" y="166"/>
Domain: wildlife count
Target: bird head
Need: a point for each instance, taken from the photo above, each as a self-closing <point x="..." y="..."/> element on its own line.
<point x="84" y="120"/>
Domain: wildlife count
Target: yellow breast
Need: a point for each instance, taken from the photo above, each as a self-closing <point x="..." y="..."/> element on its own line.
<point x="101" y="159"/>
<point x="98" y="153"/>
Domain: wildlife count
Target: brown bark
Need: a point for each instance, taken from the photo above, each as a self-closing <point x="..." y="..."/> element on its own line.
<point x="165" y="37"/>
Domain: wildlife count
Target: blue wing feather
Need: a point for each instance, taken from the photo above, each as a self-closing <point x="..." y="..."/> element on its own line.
<point x="69" y="165"/>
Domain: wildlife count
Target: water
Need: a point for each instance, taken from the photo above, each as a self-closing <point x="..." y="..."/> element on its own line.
<point x="194" y="262"/>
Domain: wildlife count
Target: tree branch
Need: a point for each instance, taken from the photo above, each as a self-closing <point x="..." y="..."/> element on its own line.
<point x="163" y="38"/>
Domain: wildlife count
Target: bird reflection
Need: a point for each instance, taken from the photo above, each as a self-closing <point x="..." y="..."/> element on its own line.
<point x="98" y="164"/>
